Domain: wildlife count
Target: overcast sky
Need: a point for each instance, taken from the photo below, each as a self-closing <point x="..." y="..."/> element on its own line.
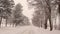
<point x="26" y="11"/>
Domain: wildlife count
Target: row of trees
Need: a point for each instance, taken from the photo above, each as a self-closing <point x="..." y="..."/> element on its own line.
<point x="18" y="17"/>
<point x="5" y="9"/>
<point x="45" y="10"/>
<point x="12" y="13"/>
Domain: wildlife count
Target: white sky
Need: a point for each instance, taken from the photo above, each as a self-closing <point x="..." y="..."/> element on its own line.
<point x="26" y="11"/>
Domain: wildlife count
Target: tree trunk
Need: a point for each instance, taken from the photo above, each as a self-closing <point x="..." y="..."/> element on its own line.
<point x="51" y="27"/>
<point x="59" y="14"/>
<point x="48" y="16"/>
<point x="6" y="22"/>
<point x="51" y="24"/>
<point x="0" y="21"/>
<point x="45" y="25"/>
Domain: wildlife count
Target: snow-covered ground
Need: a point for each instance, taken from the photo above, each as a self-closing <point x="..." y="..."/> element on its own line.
<point x="26" y="30"/>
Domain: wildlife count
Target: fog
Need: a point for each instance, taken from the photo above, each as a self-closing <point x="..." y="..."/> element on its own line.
<point x="26" y="11"/>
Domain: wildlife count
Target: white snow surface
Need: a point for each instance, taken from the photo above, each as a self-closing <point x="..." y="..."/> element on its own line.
<point x="26" y="30"/>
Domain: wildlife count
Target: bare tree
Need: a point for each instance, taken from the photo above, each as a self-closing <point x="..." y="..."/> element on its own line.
<point x="42" y="13"/>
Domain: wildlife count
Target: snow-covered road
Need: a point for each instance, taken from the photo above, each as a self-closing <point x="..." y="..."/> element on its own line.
<point x="26" y="30"/>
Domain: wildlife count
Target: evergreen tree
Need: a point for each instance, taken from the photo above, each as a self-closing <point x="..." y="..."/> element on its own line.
<point x="6" y="6"/>
<point x="17" y="14"/>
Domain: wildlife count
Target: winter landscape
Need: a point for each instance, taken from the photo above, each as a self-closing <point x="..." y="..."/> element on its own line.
<point x="29" y="16"/>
